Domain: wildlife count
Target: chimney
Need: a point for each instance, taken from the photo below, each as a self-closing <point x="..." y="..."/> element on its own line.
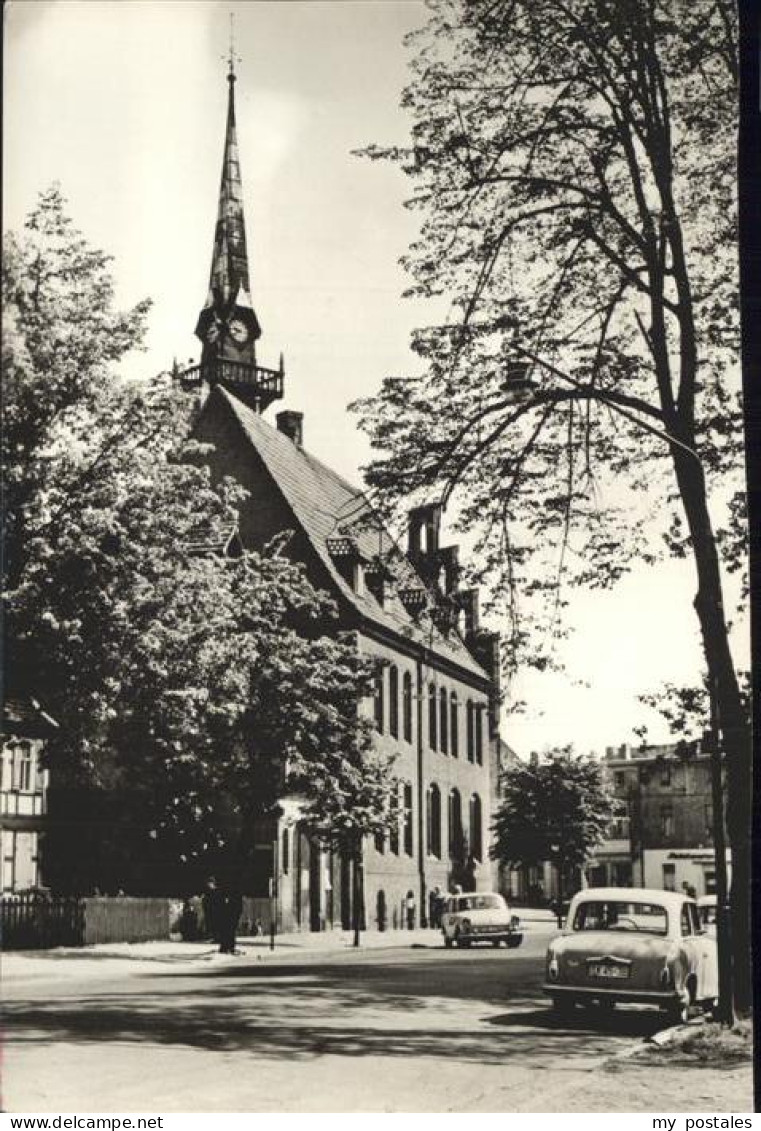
<point x="450" y="559"/>
<point x="469" y="600"/>
<point x="425" y="522"/>
<point x="291" y="424"/>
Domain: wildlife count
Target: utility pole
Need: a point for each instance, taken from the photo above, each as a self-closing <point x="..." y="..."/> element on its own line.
<point x="725" y="1012"/>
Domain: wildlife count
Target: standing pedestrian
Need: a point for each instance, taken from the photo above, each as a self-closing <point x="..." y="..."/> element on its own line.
<point x="437" y="907"/>
<point x="232" y="905"/>
<point x="211" y="906"/>
<point x="409" y="904"/>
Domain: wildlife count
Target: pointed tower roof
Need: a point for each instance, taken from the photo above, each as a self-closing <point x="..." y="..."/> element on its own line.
<point x="229" y="284"/>
<point x="227" y="325"/>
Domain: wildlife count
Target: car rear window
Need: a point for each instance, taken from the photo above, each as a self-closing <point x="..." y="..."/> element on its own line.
<point x="610" y="915"/>
<point x="481" y="903"/>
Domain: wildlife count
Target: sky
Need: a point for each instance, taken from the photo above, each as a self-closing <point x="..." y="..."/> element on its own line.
<point x="123" y="103"/>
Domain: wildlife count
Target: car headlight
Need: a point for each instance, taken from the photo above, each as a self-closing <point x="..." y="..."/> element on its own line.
<point x="553" y="966"/>
<point x="465" y="925"/>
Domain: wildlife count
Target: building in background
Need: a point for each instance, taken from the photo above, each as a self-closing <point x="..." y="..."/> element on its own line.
<point x="662" y="835"/>
<point x="23" y="793"/>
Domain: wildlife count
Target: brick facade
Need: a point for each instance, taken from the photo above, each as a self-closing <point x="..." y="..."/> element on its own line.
<point x="416" y="664"/>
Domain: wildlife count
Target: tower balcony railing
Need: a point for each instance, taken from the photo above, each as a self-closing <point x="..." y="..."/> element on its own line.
<point x="256" y="380"/>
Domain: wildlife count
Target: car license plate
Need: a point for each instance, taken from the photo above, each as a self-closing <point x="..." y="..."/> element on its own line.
<point x="598" y="970"/>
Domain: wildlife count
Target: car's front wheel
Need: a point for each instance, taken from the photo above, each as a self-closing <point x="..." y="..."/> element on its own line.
<point x="563" y="1006"/>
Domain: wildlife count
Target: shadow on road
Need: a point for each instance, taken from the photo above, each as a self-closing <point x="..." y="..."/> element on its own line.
<point x="614" y="1022"/>
<point x="437" y="1006"/>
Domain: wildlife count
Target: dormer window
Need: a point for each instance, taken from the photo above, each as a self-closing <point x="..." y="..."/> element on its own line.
<point x="378" y="579"/>
<point x="348" y="561"/>
<point x="414" y="600"/>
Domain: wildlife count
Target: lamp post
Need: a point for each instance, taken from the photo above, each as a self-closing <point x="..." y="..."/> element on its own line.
<point x="555" y="850"/>
<point x="725" y="1012"/>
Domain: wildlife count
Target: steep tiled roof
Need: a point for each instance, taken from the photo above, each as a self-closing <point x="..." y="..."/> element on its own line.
<point x="327" y="507"/>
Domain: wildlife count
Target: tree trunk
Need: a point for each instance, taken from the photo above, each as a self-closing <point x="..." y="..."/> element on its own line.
<point x="732" y="717"/>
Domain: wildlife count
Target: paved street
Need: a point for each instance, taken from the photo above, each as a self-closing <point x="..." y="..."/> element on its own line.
<point x="398" y="1026"/>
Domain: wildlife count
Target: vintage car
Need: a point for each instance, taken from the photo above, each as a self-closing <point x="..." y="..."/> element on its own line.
<point x="632" y="945"/>
<point x="479" y="916"/>
<point x="707" y="913"/>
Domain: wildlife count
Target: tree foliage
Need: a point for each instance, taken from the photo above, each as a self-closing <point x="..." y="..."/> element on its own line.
<point x="558" y="809"/>
<point x="197" y="685"/>
<point x="574" y="165"/>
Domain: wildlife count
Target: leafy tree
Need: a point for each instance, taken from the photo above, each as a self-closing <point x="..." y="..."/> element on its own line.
<point x="193" y="686"/>
<point x="574" y="165"/>
<point x="557" y="810"/>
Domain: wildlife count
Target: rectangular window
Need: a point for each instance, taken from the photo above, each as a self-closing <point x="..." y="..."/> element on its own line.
<point x="433" y="710"/>
<point x="667" y="821"/>
<point x="407" y="818"/>
<point x="619" y="780"/>
<point x="393" y="702"/>
<point x="443" y="721"/>
<point x="479" y="735"/>
<point x="669" y="877"/>
<point x="666" y="775"/>
<point x="470" y="731"/>
<point x="379" y="706"/>
<point x="393" y="833"/>
<point x="407" y="706"/>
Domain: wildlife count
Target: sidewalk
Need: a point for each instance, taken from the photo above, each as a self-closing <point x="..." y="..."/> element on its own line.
<point x="104" y="957"/>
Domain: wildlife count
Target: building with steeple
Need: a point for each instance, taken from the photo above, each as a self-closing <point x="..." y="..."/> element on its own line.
<point x="436" y="697"/>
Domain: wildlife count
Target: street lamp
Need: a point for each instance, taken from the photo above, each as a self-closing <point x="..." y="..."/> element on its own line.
<point x="555" y="850"/>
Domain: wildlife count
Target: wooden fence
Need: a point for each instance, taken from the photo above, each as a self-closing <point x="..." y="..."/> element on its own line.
<point x="39" y="922"/>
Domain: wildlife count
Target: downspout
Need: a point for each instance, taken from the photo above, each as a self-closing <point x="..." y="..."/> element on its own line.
<point x="421" y="849"/>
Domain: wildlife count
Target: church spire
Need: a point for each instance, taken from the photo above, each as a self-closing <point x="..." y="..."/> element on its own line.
<point x="227" y="325"/>
<point x="229" y="285"/>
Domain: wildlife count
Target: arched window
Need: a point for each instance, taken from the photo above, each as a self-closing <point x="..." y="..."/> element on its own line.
<point x="407" y="706"/>
<point x="432" y="717"/>
<point x="479" y="713"/>
<point x="286" y="851"/>
<point x="443" y="722"/>
<point x="407" y="818"/>
<point x="393" y="701"/>
<point x="471" y="738"/>
<point x="380" y="842"/>
<point x="454" y="725"/>
<point x="433" y="820"/>
<point x="379" y="707"/>
<point x="476" y="828"/>
<point x="456" y="838"/>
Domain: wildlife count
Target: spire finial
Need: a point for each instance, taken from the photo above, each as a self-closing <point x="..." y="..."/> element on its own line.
<point x="232" y="56"/>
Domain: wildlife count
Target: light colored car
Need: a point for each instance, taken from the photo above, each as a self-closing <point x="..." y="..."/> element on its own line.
<point x="707" y="913"/>
<point x="479" y="916"/>
<point x="632" y="945"/>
